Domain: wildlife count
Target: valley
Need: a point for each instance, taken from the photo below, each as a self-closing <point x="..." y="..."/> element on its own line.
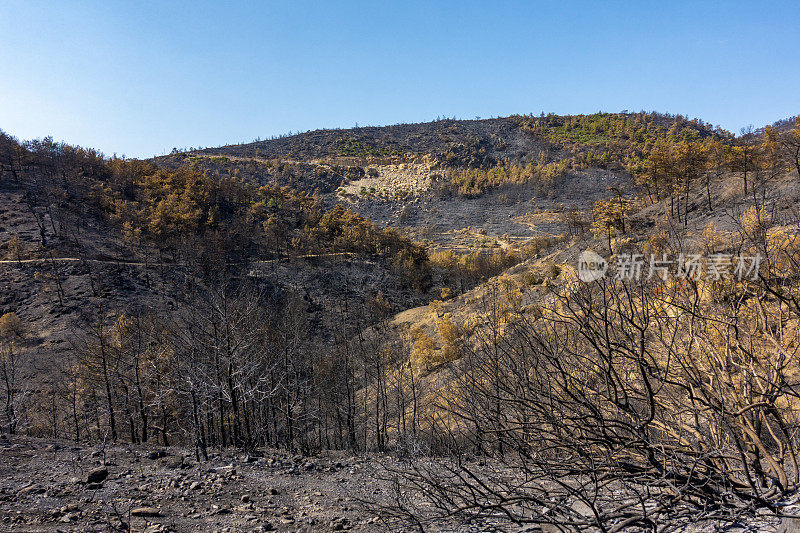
<point x="387" y="328"/>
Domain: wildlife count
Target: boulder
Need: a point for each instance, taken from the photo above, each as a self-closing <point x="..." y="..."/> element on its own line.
<point x="97" y="475"/>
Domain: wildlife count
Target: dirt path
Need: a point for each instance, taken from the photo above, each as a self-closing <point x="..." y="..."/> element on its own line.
<point x="41" y="261"/>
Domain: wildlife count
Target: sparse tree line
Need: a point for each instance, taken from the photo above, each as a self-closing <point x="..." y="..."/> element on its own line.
<point x="230" y="365"/>
<point x="668" y="155"/>
<point x="603" y="140"/>
<point x="686" y="173"/>
<point x="675" y="170"/>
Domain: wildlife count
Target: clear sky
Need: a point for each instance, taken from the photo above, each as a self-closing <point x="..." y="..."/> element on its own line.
<point x="139" y="78"/>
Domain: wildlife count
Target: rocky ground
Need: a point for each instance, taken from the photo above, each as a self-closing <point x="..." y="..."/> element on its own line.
<point x="49" y="485"/>
<point x="59" y="486"/>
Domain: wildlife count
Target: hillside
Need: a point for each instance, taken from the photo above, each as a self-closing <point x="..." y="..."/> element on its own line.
<point x="480" y="143"/>
<point x="411" y="290"/>
<point x="422" y="176"/>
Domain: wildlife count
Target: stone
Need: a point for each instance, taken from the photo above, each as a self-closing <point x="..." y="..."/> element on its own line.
<point x="146" y="511"/>
<point x="31" y="489"/>
<point x="97" y="475"/>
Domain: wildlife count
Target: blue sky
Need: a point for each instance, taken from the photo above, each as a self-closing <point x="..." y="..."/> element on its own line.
<point x="139" y="78"/>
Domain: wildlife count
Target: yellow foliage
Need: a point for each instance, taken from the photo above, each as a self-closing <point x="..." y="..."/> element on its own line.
<point x="450" y="335"/>
<point x="471" y="324"/>
<point x="10" y="325"/>
<point x="511" y="292"/>
<point x="423" y="354"/>
<point x="15" y="248"/>
<point x="444" y="259"/>
<point x="130" y="233"/>
<point x="712" y="237"/>
<point x="656" y="244"/>
<point x="783" y="246"/>
<point x="755" y="223"/>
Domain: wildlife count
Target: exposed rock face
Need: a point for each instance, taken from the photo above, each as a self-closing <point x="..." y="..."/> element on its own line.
<point x="390" y="182"/>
